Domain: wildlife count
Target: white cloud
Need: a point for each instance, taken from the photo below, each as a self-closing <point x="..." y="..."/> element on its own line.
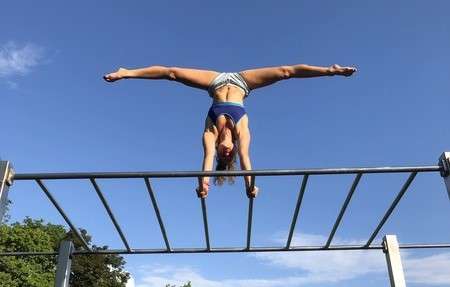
<point x="18" y="60"/>
<point x="130" y="282"/>
<point x="432" y="270"/>
<point x="326" y="266"/>
<point x="313" y="267"/>
<point x="162" y="275"/>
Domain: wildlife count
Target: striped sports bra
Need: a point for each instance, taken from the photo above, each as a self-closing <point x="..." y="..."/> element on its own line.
<point x="223" y="79"/>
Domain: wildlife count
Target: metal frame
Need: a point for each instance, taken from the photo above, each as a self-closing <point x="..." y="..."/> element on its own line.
<point x="6" y="180"/>
<point x="394" y="262"/>
<point x="389" y="244"/>
<point x="444" y="163"/>
<point x="64" y="264"/>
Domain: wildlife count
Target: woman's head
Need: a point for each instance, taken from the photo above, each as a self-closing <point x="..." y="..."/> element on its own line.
<point x="225" y="160"/>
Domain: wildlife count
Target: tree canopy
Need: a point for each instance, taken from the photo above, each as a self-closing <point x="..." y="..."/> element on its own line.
<point x="39" y="271"/>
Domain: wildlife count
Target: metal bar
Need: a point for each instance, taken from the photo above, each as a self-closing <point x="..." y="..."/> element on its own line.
<point x="235" y="249"/>
<point x="392" y="207"/>
<point x="64" y="263"/>
<point x="158" y="214"/>
<point x="205" y="223"/>
<point x="276" y="172"/>
<point x="297" y="209"/>
<point x="63" y="214"/>
<point x="394" y="262"/>
<point x="344" y="207"/>
<point x="249" y="221"/>
<point x="6" y="175"/>
<point x="444" y="163"/>
<point x="110" y="213"/>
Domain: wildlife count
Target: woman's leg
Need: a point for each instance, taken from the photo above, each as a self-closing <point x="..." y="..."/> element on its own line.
<point x="258" y="78"/>
<point x="190" y="77"/>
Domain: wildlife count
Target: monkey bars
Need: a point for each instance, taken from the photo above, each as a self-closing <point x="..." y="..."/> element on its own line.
<point x="389" y="244"/>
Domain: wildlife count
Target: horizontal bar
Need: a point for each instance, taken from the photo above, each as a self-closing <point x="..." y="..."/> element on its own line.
<point x="268" y="172"/>
<point x="233" y="249"/>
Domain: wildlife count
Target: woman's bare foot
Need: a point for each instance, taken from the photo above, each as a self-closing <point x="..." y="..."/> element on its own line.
<point x="342" y="71"/>
<point x="118" y="75"/>
<point x="202" y="191"/>
<point x="253" y="193"/>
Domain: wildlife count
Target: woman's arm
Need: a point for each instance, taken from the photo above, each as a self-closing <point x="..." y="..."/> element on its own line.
<point x="244" y="157"/>
<point x="209" y="150"/>
<point x="191" y="77"/>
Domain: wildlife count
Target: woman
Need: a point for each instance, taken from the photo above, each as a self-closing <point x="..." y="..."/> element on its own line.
<point x="226" y="127"/>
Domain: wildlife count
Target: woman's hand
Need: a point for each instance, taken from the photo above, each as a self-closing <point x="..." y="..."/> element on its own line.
<point x="252" y="193"/>
<point x="202" y="191"/>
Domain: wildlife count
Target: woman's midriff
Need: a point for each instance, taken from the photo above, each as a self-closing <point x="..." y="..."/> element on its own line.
<point x="229" y="93"/>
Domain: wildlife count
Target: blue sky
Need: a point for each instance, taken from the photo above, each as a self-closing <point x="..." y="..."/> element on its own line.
<point x="59" y="115"/>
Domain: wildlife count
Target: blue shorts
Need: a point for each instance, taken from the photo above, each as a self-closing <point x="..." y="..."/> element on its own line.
<point x="234" y="111"/>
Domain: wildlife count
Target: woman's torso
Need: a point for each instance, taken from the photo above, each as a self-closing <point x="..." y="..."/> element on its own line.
<point x="229" y="88"/>
<point x="228" y="93"/>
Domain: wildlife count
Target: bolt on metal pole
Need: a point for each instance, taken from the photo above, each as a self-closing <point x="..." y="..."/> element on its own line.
<point x="64" y="263"/>
<point x="394" y="262"/>
<point x="6" y="175"/>
<point x="444" y="163"/>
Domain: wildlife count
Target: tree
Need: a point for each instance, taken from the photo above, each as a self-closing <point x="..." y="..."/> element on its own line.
<point x="96" y="270"/>
<point x="39" y="271"/>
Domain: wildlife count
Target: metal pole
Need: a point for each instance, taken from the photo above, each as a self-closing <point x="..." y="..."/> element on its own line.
<point x="268" y="172"/>
<point x="394" y="262"/>
<point x="344" y="207"/>
<point x="444" y="163"/>
<point x="110" y="213"/>
<point x="158" y="214"/>
<point x="64" y="263"/>
<point x="297" y="209"/>
<point x="249" y="222"/>
<point x="63" y="214"/>
<point x="205" y="223"/>
<point x="6" y="176"/>
<point x="392" y="207"/>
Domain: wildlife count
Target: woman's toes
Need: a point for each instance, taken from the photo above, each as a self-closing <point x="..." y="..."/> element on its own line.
<point x="349" y="71"/>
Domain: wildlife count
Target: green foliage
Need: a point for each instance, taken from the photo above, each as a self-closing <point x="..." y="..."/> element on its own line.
<point x="6" y="216"/>
<point x="39" y="271"/>
<point x="31" y="235"/>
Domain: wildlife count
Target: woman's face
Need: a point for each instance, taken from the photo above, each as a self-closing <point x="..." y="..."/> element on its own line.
<point x="225" y="151"/>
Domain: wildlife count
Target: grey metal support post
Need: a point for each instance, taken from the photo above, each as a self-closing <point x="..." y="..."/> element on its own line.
<point x="444" y="163"/>
<point x="64" y="263"/>
<point x="6" y="180"/>
<point x="394" y="262"/>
